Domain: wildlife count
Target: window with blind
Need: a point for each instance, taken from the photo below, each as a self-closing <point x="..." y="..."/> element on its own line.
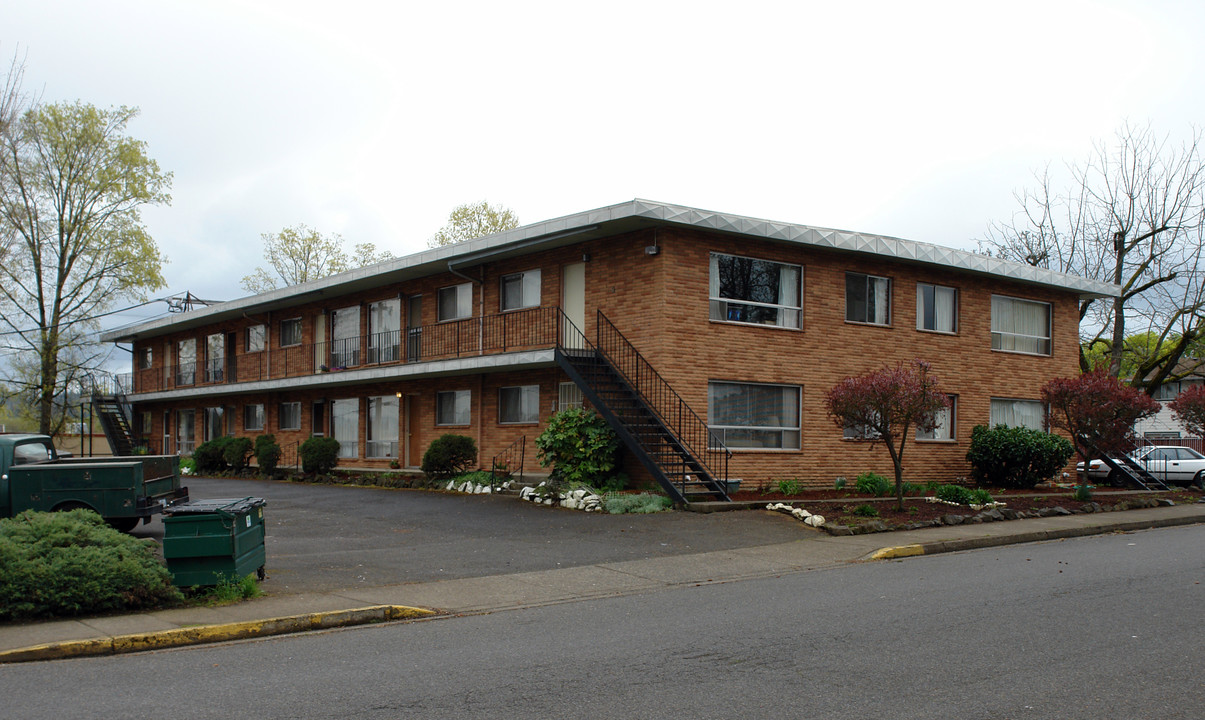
<point x="754" y="415"/>
<point x="520" y="404"/>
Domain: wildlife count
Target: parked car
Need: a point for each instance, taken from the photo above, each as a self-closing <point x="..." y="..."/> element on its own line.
<point x="1169" y="463"/>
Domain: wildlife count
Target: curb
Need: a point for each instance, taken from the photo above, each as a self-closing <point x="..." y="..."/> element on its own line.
<point x="945" y="546"/>
<point x="213" y="633"/>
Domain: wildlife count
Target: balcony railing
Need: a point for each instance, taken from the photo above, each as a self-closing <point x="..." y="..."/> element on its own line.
<point x="531" y="329"/>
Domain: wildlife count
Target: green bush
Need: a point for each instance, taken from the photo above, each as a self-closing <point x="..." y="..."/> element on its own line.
<point x="580" y="447"/>
<point x="1016" y="457"/>
<point x="874" y="484"/>
<point x="790" y="487"/>
<point x="618" y="504"/>
<point x="449" y="455"/>
<point x="319" y="455"/>
<point x="237" y="453"/>
<point x="210" y="456"/>
<point x="72" y="563"/>
<point x="963" y="496"/>
<point x="865" y="510"/>
<point x="267" y="454"/>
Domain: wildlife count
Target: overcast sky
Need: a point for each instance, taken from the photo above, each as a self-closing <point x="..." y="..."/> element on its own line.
<point x="373" y="119"/>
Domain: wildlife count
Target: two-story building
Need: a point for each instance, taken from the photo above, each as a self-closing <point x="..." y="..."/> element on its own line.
<point x="707" y="340"/>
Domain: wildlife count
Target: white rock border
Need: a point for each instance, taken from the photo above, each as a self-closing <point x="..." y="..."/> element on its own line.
<point x="798" y="513"/>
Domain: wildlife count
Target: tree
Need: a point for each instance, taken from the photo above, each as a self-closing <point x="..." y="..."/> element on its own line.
<point x="885" y="405"/>
<point x="299" y="254"/>
<point x="1098" y="411"/>
<point x="474" y="220"/>
<point x="1189" y="409"/>
<point x="72" y="184"/>
<point x="1133" y="216"/>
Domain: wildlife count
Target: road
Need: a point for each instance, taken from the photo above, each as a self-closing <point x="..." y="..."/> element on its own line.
<point x="1100" y="627"/>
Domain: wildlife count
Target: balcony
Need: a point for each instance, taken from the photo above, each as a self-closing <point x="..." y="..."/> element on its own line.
<point x="531" y="329"/>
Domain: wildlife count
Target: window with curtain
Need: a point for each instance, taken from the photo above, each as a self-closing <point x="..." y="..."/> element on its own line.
<point x="253" y="417"/>
<point x="1021" y="326"/>
<point x="345" y="423"/>
<point x="290" y="332"/>
<point x="214" y="426"/>
<point x="455" y="303"/>
<point x="520" y="404"/>
<point x="1018" y="413"/>
<point x="521" y="290"/>
<point x="215" y="357"/>
<point x="186" y="367"/>
<point x="946" y="420"/>
<point x="382" y="427"/>
<point x="936" y="308"/>
<point x="345" y="337"/>
<point x="453" y="407"/>
<point x="255" y="338"/>
<point x="385" y="331"/>
<point x="290" y="416"/>
<point x="754" y="415"/>
<point x="867" y="299"/>
<point x="186" y="439"/>
<point x="758" y="292"/>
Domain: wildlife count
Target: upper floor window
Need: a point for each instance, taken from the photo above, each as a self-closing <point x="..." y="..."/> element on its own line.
<point x="456" y="302"/>
<point x="255" y="338"/>
<point x="521" y="290"/>
<point x="760" y="292"/>
<point x="754" y="415"/>
<point x="146" y="358"/>
<point x="936" y="308"/>
<point x="290" y="332"/>
<point x="1020" y="325"/>
<point x="385" y="331"/>
<point x="867" y="299"/>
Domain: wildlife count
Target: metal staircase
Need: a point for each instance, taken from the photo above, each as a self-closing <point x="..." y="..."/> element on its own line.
<point x="1126" y="467"/>
<point x="671" y="441"/>
<point x="108" y="402"/>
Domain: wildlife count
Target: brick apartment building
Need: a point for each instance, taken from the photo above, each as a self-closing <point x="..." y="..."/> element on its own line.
<point x="708" y="340"/>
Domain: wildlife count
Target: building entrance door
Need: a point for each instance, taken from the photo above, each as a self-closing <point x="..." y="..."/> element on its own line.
<point x="414" y="442"/>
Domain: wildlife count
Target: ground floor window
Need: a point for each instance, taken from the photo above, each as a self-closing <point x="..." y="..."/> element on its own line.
<point x="453" y="407"/>
<point x="945" y="423"/>
<point x="1018" y="413"/>
<point x="569" y="396"/>
<point x="519" y="404"/>
<point x="345" y="422"/>
<point x="290" y="416"/>
<point x="382" y="427"/>
<point x="253" y="417"/>
<point x="214" y="427"/>
<point x="186" y="438"/>
<point x="754" y="415"/>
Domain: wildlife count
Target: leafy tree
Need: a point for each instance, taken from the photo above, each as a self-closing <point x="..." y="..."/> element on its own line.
<point x="72" y="185"/>
<point x="1189" y="408"/>
<point x="580" y="446"/>
<point x="1132" y="216"/>
<point x="299" y="254"/>
<point x="1098" y="411"/>
<point x="887" y="404"/>
<point x="474" y="220"/>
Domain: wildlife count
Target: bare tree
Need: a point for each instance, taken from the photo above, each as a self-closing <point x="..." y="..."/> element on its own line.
<point x="1133" y="216"/>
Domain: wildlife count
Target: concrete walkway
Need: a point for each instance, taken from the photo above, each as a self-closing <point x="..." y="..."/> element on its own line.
<point x="295" y="613"/>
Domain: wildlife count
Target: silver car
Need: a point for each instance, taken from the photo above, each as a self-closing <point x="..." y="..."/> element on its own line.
<point x="1169" y="463"/>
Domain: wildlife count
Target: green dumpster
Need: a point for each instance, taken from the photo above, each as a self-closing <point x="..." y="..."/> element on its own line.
<point x="208" y="541"/>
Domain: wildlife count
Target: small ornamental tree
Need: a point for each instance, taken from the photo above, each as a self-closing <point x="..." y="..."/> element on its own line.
<point x="888" y="405"/>
<point x="1098" y="411"/>
<point x="1189" y="408"/>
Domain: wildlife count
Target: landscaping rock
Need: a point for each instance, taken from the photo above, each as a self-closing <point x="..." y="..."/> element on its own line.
<point x="1060" y="510"/>
<point x="1010" y="514"/>
<point x="1165" y="502"/>
<point x="952" y="519"/>
<point x="836" y="529"/>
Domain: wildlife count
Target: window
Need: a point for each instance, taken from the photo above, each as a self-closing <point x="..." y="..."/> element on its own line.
<point x="521" y="290"/>
<point x="145" y="424"/>
<point x="867" y="299"/>
<point x="1162" y="435"/>
<point x="186" y="368"/>
<point x="32" y="452"/>
<point x="519" y="404"/>
<point x="255" y="338"/>
<point x="1168" y="391"/>
<point x="936" y="308"/>
<point x="382" y="427"/>
<point x="345" y="337"/>
<point x="290" y="416"/>
<point x="946" y="420"/>
<point x="290" y="332"/>
<point x="214" y="427"/>
<point x="748" y="415"/>
<point x="1018" y="413"/>
<point x="186" y="431"/>
<point x="569" y="396"/>
<point x="215" y="357"/>
<point x="452" y="407"/>
<point x="253" y="417"/>
<point x="385" y="331"/>
<point x="760" y="292"/>
<point x="456" y="302"/>
<point x="345" y="424"/>
<point x="1021" y="326"/>
<point x="860" y="432"/>
<point x="146" y="358"/>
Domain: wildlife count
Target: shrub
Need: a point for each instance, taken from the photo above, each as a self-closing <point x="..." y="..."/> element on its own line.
<point x="72" y="563"/>
<point x="865" y="510"/>
<point x="449" y="455"/>
<point x="1082" y="493"/>
<point x="839" y="483"/>
<point x="210" y="456"/>
<point x="618" y="504"/>
<point x="580" y="447"/>
<point x="1016" y="457"/>
<point x="237" y="453"/>
<point x="874" y="484"/>
<point x="319" y="455"/>
<point x="963" y="496"/>
<point x="789" y="487"/>
<point x="267" y="454"/>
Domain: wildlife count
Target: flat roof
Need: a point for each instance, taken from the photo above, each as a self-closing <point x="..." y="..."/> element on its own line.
<point x="601" y="223"/>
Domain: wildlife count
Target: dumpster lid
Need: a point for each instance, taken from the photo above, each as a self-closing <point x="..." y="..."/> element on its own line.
<point x="228" y="506"/>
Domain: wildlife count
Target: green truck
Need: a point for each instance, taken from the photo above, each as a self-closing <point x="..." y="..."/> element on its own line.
<point x="123" y="490"/>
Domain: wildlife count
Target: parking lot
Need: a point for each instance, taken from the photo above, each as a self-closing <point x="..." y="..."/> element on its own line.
<point x="322" y="538"/>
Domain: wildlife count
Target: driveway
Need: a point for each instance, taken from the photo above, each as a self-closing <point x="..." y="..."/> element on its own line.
<point x="322" y="538"/>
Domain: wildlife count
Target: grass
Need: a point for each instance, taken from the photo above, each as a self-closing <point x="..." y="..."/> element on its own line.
<point x="226" y="592"/>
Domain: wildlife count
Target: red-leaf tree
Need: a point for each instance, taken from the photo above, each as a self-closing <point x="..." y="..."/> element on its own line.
<point x="1189" y="408"/>
<point x="886" y="405"/>
<point x="1098" y="411"/>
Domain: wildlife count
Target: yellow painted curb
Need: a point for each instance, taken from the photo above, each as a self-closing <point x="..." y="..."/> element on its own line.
<point x="213" y="633"/>
<point x="899" y="551"/>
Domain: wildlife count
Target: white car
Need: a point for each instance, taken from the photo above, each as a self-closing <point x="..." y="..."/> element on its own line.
<point x="1169" y="463"/>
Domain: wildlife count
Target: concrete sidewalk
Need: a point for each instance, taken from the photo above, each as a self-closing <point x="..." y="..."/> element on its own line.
<point x="274" y="615"/>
